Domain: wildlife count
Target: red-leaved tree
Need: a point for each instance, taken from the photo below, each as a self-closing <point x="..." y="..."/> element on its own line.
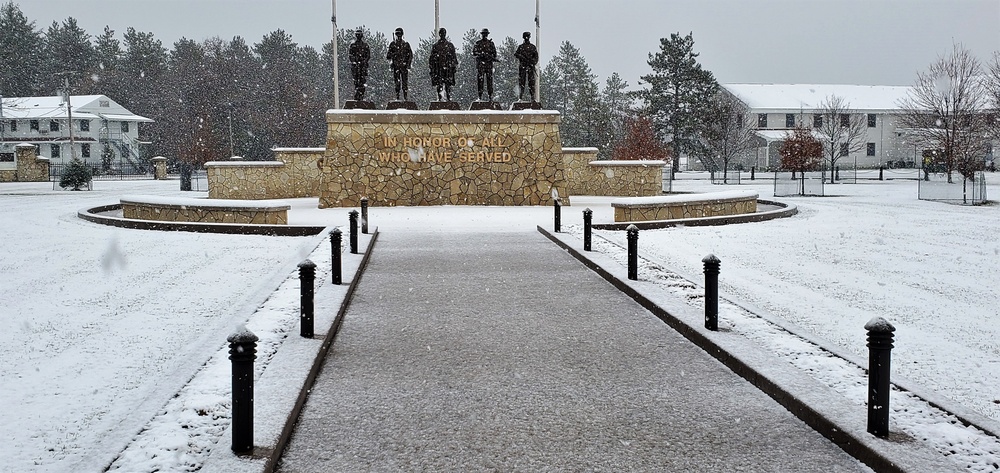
<point x="640" y="143"/>
<point x="801" y="151"/>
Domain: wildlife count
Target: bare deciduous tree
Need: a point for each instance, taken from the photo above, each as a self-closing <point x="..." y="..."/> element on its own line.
<point x="946" y="112"/>
<point x="726" y="137"/>
<point x="801" y="151"/>
<point x="844" y="131"/>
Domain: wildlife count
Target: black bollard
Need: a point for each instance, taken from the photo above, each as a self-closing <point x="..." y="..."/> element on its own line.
<point x="712" y="264"/>
<point x="880" y="170"/>
<point x="335" y="247"/>
<point x="879" y="354"/>
<point x="558" y="214"/>
<point x="307" y="278"/>
<point x="588" y="219"/>
<point x="632" y="235"/>
<point x="364" y="215"/>
<point x="353" y="231"/>
<point x="753" y="169"/>
<point x="242" y="351"/>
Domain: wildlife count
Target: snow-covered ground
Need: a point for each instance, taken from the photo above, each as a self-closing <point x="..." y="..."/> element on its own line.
<point x="103" y="326"/>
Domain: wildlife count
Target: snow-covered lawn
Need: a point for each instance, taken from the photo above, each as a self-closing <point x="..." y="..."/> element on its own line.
<point x="103" y="326"/>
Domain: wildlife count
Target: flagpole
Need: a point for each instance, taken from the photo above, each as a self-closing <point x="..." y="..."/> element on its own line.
<point x="538" y="46"/>
<point x="437" y="16"/>
<point x="336" y="68"/>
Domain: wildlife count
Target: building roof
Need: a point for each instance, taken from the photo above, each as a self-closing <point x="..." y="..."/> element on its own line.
<point x="84" y="107"/>
<point x="810" y="96"/>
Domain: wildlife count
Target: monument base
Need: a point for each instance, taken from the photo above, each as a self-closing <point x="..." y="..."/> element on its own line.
<point x="401" y="104"/>
<point x="481" y="105"/>
<point x="444" y="106"/>
<point x="359" y="105"/>
<point x="447" y="157"/>
<point x="526" y="106"/>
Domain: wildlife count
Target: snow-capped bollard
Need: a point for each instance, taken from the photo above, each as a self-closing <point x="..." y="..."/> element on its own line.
<point x="336" y="237"/>
<point x="558" y="215"/>
<point x="588" y="220"/>
<point x="632" y="235"/>
<point x="753" y="171"/>
<point x="712" y="264"/>
<point x="879" y="355"/>
<point x="307" y="278"/>
<point x="353" y="231"/>
<point x="364" y="215"/>
<point x="881" y="169"/>
<point x="242" y="352"/>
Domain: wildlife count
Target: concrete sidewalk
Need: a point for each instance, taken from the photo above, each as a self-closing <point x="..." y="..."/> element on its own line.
<point x="501" y="352"/>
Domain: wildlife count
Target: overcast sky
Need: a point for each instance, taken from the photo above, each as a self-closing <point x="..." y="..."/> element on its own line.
<point x="870" y="42"/>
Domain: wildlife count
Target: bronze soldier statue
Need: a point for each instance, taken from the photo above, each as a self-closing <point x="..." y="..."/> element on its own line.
<point x="485" y="53"/>
<point x="443" y="63"/>
<point x="400" y="56"/>
<point x="527" y="56"/>
<point x="359" y="54"/>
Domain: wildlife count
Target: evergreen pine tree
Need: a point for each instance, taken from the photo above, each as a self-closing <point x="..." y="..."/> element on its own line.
<point x="76" y="175"/>
<point x="679" y="95"/>
<point x="22" y="48"/>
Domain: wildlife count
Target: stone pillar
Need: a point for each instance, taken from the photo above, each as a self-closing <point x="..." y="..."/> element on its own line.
<point x="159" y="167"/>
<point x="30" y="167"/>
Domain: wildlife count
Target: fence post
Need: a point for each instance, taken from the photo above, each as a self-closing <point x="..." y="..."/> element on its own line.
<point x="364" y="215"/>
<point x="307" y="278"/>
<point x="753" y="170"/>
<point x="632" y="235"/>
<point x="879" y="356"/>
<point x="558" y="214"/>
<point x="335" y="244"/>
<point x="242" y="352"/>
<point x="353" y="218"/>
<point x="588" y="219"/>
<point x="712" y="264"/>
<point x="880" y="169"/>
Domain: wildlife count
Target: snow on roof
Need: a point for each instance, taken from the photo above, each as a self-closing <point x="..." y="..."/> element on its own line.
<point x="84" y="107"/>
<point x="810" y="96"/>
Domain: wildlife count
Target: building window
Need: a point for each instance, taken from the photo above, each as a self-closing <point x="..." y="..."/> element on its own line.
<point x="871" y="120"/>
<point x="124" y="127"/>
<point x="843" y="149"/>
<point x="84" y="125"/>
<point x="817" y="121"/>
<point x="845" y="120"/>
<point x="85" y="150"/>
<point x="53" y="125"/>
<point x="761" y="120"/>
<point x="789" y="120"/>
<point x="871" y="149"/>
<point x="33" y="124"/>
<point x="54" y="150"/>
<point x="13" y="125"/>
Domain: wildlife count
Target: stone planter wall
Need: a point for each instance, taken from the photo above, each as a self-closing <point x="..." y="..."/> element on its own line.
<point x="203" y="211"/>
<point x="587" y="176"/>
<point x="442" y="158"/>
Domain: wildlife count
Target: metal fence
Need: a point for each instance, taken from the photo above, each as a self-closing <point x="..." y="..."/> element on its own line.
<point x="730" y="177"/>
<point x="121" y="172"/>
<point x="803" y="183"/>
<point x="935" y="186"/>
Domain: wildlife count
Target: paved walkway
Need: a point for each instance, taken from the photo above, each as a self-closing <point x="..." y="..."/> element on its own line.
<point x="500" y="352"/>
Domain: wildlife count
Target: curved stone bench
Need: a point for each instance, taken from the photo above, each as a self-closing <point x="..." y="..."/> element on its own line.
<point x="671" y="207"/>
<point x="179" y="209"/>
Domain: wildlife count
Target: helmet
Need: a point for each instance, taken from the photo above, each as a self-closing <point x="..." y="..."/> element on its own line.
<point x="485" y="31"/>
<point x="399" y="31"/>
<point x="526" y="35"/>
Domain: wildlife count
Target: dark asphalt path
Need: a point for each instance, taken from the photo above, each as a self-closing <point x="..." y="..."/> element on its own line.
<point x="500" y="352"/>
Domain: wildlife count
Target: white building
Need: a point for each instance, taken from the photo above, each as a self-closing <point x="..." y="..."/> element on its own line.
<point x="777" y="108"/>
<point x="99" y="123"/>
